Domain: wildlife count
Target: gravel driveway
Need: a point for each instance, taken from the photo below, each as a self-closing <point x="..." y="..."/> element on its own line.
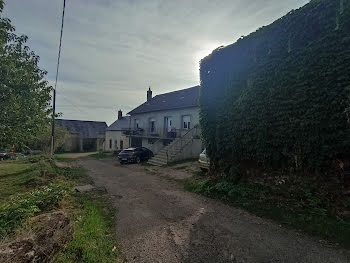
<point x="157" y="221"/>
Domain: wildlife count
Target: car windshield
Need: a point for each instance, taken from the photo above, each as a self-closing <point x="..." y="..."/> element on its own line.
<point x="129" y="150"/>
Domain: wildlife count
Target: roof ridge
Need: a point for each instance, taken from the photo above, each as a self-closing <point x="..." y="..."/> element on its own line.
<point x="176" y="91"/>
<point x="175" y="100"/>
<point x="81" y="120"/>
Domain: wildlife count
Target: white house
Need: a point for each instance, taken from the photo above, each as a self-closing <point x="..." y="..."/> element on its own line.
<point x="115" y="134"/>
<point x="167" y="124"/>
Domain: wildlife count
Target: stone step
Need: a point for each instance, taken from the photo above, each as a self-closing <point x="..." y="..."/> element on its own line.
<point x="162" y="154"/>
<point x="157" y="159"/>
<point x="169" y="152"/>
<point x="160" y="157"/>
<point x="157" y="163"/>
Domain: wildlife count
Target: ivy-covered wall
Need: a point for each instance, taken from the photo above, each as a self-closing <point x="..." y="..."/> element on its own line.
<point x="280" y="95"/>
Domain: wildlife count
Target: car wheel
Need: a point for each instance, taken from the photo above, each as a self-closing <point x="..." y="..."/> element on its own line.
<point x="138" y="160"/>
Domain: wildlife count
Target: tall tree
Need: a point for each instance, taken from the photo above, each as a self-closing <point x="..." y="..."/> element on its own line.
<point x="24" y="93"/>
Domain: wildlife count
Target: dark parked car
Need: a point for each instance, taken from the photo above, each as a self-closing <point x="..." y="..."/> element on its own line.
<point x="4" y="156"/>
<point x="135" y="155"/>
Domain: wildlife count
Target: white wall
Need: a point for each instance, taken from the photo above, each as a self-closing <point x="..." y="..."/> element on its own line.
<point x="192" y="150"/>
<point x="116" y="137"/>
<point x="158" y="116"/>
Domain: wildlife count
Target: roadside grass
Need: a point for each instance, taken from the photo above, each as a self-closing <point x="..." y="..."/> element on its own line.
<point x="13" y="178"/>
<point x="303" y="210"/>
<point x="94" y="239"/>
<point x="101" y="155"/>
<point x="24" y="206"/>
<point x="22" y="176"/>
<point x="70" y="157"/>
<point x="182" y="162"/>
<point x="35" y="185"/>
<point x="63" y="158"/>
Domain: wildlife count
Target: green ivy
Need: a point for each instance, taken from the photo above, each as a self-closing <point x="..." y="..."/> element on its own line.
<point x="280" y="96"/>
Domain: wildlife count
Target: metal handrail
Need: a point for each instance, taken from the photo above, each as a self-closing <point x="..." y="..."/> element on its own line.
<point x="176" y="142"/>
<point x="157" y="133"/>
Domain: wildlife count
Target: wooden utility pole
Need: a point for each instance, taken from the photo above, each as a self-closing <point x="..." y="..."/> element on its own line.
<point x="54" y="91"/>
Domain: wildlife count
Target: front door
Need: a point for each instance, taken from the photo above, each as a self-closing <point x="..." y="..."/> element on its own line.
<point x="168" y="127"/>
<point x="169" y="124"/>
<point x="121" y="145"/>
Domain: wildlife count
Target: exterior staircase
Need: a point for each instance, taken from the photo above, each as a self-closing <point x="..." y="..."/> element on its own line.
<point x="171" y="152"/>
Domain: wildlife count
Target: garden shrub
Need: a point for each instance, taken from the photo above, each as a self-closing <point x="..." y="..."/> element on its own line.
<point x="24" y="206"/>
<point x="299" y="207"/>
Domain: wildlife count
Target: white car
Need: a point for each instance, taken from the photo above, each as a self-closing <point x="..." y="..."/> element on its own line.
<point x="204" y="161"/>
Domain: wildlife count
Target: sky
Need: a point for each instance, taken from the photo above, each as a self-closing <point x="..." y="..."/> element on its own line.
<point x="113" y="50"/>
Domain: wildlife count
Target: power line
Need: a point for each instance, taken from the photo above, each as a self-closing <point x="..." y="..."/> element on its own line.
<point x="54" y="91"/>
<point x="69" y="101"/>
<point x="59" y="49"/>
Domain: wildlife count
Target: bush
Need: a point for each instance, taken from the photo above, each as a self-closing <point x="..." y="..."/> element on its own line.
<point x="301" y="207"/>
<point x="24" y="206"/>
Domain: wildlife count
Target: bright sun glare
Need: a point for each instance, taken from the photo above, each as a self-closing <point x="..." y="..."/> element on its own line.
<point x="205" y="50"/>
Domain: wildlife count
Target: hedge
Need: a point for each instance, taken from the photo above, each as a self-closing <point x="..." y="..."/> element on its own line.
<point x="281" y="95"/>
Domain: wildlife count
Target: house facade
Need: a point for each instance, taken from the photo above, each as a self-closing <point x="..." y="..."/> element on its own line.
<point x="167" y="123"/>
<point x="116" y="138"/>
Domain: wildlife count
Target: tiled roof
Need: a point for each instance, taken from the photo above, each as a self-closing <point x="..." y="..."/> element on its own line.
<point x="185" y="98"/>
<point x="86" y="129"/>
<point x="120" y="124"/>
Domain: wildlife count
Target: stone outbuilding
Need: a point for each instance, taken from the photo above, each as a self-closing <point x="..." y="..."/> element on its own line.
<point x="84" y="136"/>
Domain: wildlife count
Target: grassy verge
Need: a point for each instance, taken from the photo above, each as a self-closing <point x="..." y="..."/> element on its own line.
<point x="23" y="176"/>
<point x="101" y="155"/>
<point x="36" y="185"/>
<point x="23" y="206"/>
<point x="94" y="239"/>
<point x="182" y="162"/>
<point x="303" y="209"/>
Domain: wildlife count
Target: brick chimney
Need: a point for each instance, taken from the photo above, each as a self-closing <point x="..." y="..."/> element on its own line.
<point x="120" y="114"/>
<point x="149" y="94"/>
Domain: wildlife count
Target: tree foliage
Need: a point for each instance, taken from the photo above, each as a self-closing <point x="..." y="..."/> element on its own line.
<point x="280" y="95"/>
<point x="42" y="141"/>
<point x="24" y="93"/>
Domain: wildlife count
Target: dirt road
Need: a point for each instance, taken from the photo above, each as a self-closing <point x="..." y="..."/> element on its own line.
<point x="157" y="221"/>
